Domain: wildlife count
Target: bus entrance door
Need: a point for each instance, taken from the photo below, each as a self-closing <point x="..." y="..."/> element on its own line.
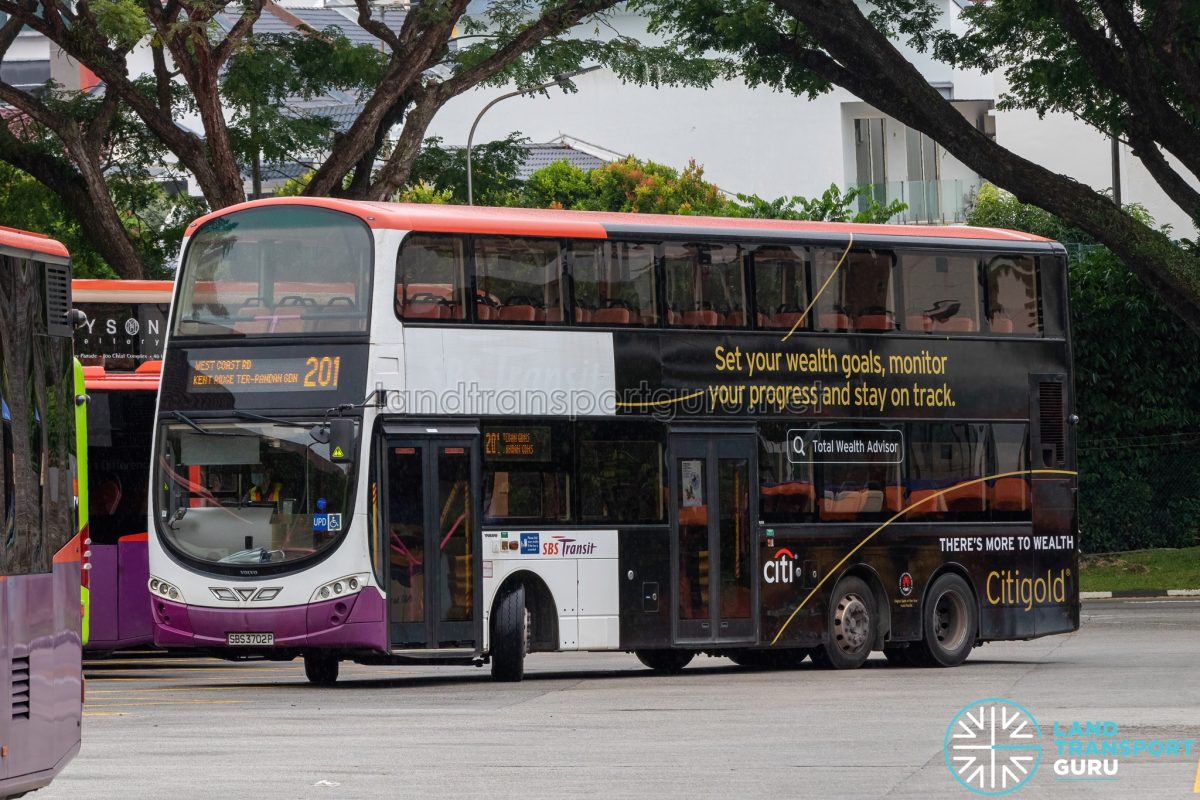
<point x="432" y="540"/>
<point x="712" y="538"/>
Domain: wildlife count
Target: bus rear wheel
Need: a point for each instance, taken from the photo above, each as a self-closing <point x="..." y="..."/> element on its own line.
<point x="665" y="662"/>
<point x="321" y="668"/>
<point x="951" y="620"/>
<point x="510" y="636"/>
<point x="852" y="625"/>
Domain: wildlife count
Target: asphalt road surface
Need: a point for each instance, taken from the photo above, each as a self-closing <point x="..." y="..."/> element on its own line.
<point x="599" y="725"/>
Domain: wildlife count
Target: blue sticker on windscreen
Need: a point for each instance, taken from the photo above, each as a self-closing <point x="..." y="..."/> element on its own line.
<point x="320" y="522"/>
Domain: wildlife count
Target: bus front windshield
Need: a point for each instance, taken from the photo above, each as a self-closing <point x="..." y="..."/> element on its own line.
<point x="276" y="270"/>
<point x="249" y="493"/>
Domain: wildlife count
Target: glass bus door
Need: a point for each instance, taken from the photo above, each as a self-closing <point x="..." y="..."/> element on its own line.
<point x="712" y="538"/>
<point x="432" y="541"/>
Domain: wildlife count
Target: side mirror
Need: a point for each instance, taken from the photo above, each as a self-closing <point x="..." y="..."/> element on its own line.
<point x="341" y="440"/>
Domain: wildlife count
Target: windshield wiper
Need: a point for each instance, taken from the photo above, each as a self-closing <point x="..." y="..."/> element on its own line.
<point x="290" y="423"/>
<point x="191" y="423"/>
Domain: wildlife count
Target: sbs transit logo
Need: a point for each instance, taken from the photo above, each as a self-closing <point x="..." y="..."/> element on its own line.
<point x="992" y="746"/>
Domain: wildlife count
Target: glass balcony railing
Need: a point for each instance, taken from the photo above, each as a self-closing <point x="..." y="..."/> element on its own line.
<point x="929" y="202"/>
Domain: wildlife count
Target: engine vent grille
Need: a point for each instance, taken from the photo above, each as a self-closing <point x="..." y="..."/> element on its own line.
<point x="20" y="688"/>
<point x="1052" y="423"/>
<point x="58" y="300"/>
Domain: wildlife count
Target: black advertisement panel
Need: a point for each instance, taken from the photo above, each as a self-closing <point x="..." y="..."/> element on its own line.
<point x="308" y="376"/>
<point x="121" y="336"/>
<point x="695" y="373"/>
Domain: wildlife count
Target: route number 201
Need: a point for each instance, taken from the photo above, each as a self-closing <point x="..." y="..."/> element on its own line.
<point x="322" y="372"/>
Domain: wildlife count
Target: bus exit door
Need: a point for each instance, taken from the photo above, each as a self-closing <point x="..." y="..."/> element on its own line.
<point x="713" y="501"/>
<point x="432" y="541"/>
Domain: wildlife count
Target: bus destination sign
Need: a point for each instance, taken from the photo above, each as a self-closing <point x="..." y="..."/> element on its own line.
<point x="312" y="373"/>
<point x="517" y="444"/>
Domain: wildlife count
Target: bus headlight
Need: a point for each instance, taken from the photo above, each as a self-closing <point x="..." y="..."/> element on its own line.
<point x="160" y="588"/>
<point x="339" y="588"/>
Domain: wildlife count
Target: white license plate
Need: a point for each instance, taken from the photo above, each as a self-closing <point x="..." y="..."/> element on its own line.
<point x="249" y="639"/>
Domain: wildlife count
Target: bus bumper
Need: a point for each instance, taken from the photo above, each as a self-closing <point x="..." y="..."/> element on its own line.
<point x="356" y="622"/>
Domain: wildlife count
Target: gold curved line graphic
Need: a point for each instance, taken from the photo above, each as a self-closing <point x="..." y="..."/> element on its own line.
<point x="900" y="514"/>
<point x="666" y="402"/>
<point x="821" y="291"/>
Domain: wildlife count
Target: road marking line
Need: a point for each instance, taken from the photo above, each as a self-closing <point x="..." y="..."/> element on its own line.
<point x="167" y="703"/>
<point x="104" y="713"/>
<point x="1196" y="787"/>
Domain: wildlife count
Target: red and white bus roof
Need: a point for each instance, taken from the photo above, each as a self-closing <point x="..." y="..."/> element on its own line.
<point x="599" y="224"/>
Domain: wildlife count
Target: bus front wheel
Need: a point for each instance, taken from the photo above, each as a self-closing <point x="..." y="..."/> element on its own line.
<point x="321" y="668"/>
<point x="510" y="636"/>
<point x="951" y="621"/>
<point x="665" y="662"/>
<point x="852" y="624"/>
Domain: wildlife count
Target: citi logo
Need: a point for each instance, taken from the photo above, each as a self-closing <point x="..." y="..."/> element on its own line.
<point x="781" y="568"/>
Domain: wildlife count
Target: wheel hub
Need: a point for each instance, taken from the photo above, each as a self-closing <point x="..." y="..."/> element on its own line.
<point x="852" y="623"/>
<point x="950" y="616"/>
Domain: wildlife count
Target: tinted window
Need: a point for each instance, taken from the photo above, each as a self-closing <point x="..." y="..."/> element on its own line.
<point x="614" y="283"/>
<point x="1009" y="496"/>
<point x="705" y="286"/>
<point x="941" y="293"/>
<point x="786" y="492"/>
<point x="621" y="473"/>
<point x="527" y="473"/>
<point x="781" y="286"/>
<point x="859" y="295"/>
<point x="1012" y="296"/>
<point x="276" y="270"/>
<point x="430" y="278"/>
<point x="940" y="457"/>
<point x="518" y="280"/>
<point x="859" y="492"/>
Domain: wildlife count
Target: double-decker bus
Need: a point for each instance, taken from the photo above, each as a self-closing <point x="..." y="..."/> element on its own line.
<point x="394" y="432"/>
<point x="120" y="346"/>
<point x="40" y="576"/>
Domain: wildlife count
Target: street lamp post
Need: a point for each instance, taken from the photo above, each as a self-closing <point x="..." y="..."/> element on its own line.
<point x="559" y="80"/>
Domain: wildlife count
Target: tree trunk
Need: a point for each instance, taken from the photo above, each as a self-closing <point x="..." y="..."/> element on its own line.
<point x="868" y="65"/>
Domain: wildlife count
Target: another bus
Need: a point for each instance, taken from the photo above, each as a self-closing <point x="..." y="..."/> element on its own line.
<point x="120" y="346"/>
<point x="40" y="626"/>
<point x="395" y="432"/>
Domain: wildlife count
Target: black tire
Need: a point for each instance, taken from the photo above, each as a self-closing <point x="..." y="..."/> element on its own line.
<point x="321" y="668"/>
<point x="510" y="636"/>
<point x="665" y="662"/>
<point x="950" y="618"/>
<point x="852" y="622"/>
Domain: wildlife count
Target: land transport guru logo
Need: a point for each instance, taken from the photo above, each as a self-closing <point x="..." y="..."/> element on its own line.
<point x="992" y="746"/>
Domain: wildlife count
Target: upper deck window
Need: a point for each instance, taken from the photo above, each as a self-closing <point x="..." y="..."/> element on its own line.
<point x="859" y="295"/>
<point x="276" y="270"/>
<point x="1012" y="296"/>
<point x="705" y="286"/>
<point x="941" y="293"/>
<point x="518" y="281"/>
<point x="430" y="278"/>
<point x="614" y="283"/>
<point x="780" y="286"/>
